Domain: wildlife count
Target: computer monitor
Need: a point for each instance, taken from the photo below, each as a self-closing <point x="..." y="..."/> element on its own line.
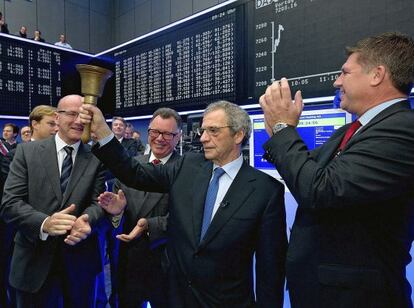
<point x="315" y="127"/>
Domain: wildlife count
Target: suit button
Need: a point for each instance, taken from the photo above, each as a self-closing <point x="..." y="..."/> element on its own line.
<point x="189" y="283"/>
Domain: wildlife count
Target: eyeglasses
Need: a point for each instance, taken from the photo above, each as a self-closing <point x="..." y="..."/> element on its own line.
<point x="210" y="130"/>
<point x="154" y="133"/>
<point x="71" y="114"/>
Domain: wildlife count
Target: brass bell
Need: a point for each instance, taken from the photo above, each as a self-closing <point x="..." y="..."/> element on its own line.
<point x="93" y="79"/>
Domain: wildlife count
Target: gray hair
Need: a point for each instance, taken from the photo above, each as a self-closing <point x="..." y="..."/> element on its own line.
<point x="167" y="113"/>
<point x="237" y="118"/>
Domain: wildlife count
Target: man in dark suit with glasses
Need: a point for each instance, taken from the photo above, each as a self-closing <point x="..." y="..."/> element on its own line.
<point x="222" y="213"/>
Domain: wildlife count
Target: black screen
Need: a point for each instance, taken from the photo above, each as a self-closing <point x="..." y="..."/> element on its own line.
<point x="305" y="40"/>
<point x="32" y="74"/>
<point x="231" y="52"/>
<point x="185" y="67"/>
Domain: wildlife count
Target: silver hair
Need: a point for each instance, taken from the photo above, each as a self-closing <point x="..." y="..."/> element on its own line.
<point x="238" y="119"/>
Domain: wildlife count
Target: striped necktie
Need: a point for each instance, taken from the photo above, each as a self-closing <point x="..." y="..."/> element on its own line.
<point x="3" y="149"/>
<point x="66" y="168"/>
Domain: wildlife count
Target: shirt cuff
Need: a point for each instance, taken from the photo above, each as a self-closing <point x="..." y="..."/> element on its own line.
<point x="43" y="235"/>
<point x="106" y="140"/>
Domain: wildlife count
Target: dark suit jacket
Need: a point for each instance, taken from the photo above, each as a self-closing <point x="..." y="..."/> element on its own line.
<point x="141" y="262"/>
<point x="153" y="206"/>
<point x="216" y="272"/>
<point x="4" y="29"/>
<point x="32" y="192"/>
<point x="10" y="146"/>
<point x="354" y="225"/>
<point x="131" y="145"/>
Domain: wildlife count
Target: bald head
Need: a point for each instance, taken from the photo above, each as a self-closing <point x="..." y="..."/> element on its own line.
<point x="70" y="99"/>
<point x="70" y="127"/>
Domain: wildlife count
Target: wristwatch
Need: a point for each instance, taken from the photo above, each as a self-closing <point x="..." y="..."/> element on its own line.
<point x="278" y="127"/>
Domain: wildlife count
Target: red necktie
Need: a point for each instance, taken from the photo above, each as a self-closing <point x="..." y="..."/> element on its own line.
<point x="3" y="149"/>
<point x="349" y="133"/>
<point x="156" y="162"/>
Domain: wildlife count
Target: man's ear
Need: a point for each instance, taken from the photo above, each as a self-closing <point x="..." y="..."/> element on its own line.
<point x="239" y="136"/>
<point x="378" y="75"/>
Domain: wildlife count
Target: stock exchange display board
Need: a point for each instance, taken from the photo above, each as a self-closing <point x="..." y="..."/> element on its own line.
<point x="236" y="50"/>
<point x="232" y="51"/>
<point x="183" y="67"/>
<point x="32" y="74"/>
<point x="305" y="40"/>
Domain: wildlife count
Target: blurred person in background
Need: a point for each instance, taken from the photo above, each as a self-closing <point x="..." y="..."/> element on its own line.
<point x="38" y="36"/>
<point x="10" y="132"/>
<point x="26" y="134"/>
<point x="22" y="32"/>
<point x="3" y="25"/>
<point x="62" y="42"/>
<point x="43" y="122"/>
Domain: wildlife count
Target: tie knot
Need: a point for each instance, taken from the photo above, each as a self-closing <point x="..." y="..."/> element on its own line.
<point x="68" y="150"/>
<point x="218" y="172"/>
<point x="355" y="125"/>
<point x="156" y="162"/>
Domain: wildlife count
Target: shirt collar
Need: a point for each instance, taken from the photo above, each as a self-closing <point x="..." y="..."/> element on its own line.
<point x="231" y="168"/>
<point x="371" y="113"/>
<point x="163" y="160"/>
<point x="60" y="144"/>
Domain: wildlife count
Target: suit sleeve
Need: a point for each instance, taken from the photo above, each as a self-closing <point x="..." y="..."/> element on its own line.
<point x="271" y="251"/>
<point x="132" y="148"/>
<point x="14" y="208"/>
<point x="157" y="227"/>
<point x="140" y="147"/>
<point x="145" y="177"/>
<point x="94" y="211"/>
<point x="378" y="164"/>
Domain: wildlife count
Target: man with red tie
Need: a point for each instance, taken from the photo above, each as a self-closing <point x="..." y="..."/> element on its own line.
<point x="354" y="225"/>
<point x="141" y="269"/>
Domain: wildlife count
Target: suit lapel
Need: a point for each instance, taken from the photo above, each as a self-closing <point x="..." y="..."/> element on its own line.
<point x="49" y="160"/>
<point x="329" y="149"/>
<point x="201" y="180"/>
<point x="235" y="197"/>
<point x="148" y="201"/>
<point x="151" y="200"/>
<point x="81" y="164"/>
<point x="397" y="107"/>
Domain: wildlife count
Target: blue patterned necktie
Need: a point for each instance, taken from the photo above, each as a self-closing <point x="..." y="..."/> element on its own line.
<point x="66" y="168"/>
<point x="210" y="200"/>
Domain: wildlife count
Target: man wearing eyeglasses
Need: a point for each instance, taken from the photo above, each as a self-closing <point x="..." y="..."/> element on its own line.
<point x="222" y="213"/>
<point x="50" y="197"/>
<point x="141" y="270"/>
